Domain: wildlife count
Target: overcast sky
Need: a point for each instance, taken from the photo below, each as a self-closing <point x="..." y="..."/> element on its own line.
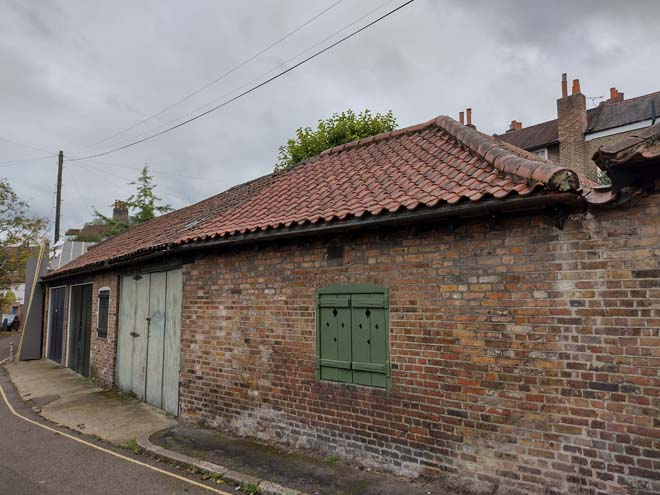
<point x="73" y="73"/>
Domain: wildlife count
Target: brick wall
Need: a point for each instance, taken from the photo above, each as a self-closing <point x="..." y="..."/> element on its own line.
<point x="523" y="356"/>
<point x="102" y="360"/>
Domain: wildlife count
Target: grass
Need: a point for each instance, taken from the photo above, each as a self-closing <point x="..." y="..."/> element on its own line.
<point x="250" y="488"/>
<point x="133" y="446"/>
<point x="214" y="477"/>
<point x="331" y="459"/>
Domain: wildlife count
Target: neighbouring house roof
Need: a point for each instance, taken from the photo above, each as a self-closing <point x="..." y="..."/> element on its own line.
<point x="534" y="136"/>
<point x="633" y="160"/>
<point x="641" y="146"/>
<point x="607" y="115"/>
<point x="439" y="162"/>
<point x="68" y="252"/>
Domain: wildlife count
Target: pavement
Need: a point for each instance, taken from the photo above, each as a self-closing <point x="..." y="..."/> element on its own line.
<point x="35" y="459"/>
<point x="65" y="398"/>
<point x="300" y="472"/>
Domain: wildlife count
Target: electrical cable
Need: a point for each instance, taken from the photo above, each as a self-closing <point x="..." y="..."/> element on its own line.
<point x="214" y="102"/>
<point x="12" y="163"/>
<point x="220" y="77"/>
<point x="22" y="145"/>
<point x="252" y="89"/>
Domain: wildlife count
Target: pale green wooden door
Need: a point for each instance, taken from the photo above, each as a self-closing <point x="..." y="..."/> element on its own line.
<point x="149" y="338"/>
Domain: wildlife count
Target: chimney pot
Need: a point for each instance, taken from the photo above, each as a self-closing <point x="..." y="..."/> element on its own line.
<point x="576" y="86"/>
<point x="515" y="125"/>
<point x="120" y="212"/>
<point x="564" y="86"/>
<point x="468" y="111"/>
<point x="615" y="95"/>
<point x="461" y="117"/>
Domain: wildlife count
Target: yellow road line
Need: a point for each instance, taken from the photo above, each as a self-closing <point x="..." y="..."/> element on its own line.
<point x="120" y="456"/>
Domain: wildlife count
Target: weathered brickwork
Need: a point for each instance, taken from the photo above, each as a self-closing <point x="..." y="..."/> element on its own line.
<point x="571" y="125"/>
<point x="523" y="356"/>
<point x="103" y="349"/>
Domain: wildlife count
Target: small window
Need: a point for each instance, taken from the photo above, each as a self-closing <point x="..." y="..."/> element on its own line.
<point x="352" y="335"/>
<point x="103" y="313"/>
<point x="543" y="153"/>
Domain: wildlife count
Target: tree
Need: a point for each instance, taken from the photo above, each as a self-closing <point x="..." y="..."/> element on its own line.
<point x="339" y="129"/>
<point x="144" y="202"/>
<point x="19" y="234"/>
<point x="143" y="205"/>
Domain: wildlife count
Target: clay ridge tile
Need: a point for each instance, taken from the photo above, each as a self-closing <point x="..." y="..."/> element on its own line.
<point x="506" y="161"/>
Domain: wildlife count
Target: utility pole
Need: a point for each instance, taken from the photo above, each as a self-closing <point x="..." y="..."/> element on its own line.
<point x="58" y="206"/>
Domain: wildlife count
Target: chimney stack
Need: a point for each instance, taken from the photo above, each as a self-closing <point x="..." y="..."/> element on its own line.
<point x="461" y="117"/>
<point x="468" y="112"/>
<point x="564" y="86"/>
<point x="515" y="125"/>
<point x="120" y="212"/>
<point x="571" y="126"/>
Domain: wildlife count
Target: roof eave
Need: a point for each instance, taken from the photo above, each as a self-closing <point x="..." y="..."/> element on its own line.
<point x="549" y="201"/>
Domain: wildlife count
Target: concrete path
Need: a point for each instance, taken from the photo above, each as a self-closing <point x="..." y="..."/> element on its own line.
<point x="67" y="399"/>
<point x="34" y="460"/>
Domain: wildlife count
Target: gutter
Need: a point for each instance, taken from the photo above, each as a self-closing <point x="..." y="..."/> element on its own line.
<point x="554" y="203"/>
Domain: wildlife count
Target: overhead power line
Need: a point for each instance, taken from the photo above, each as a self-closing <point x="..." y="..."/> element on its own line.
<point x="12" y="163"/>
<point x="252" y="89"/>
<point x="153" y="170"/>
<point x="259" y="77"/>
<point x="23" y="145"/>
<point x="220" y="77"/>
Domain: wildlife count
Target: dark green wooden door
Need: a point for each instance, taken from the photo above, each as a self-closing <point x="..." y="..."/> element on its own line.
<point x="56" y="328"/>
<point x="81" y="328"/>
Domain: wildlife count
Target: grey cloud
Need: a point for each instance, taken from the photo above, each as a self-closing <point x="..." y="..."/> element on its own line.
<point x="74" y="72"/>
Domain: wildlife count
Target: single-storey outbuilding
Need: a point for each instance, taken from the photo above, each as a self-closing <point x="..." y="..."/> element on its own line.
<point x="428" y="301"/>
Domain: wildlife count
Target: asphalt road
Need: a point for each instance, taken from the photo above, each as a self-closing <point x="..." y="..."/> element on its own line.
<point x="7" y="338"/>
<point x="34" y="460"/>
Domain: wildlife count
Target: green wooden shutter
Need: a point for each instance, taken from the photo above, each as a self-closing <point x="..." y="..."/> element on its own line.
<point x="370" y="344"/>
<point x="352" y="335"/>
<point x="334" y="342"/>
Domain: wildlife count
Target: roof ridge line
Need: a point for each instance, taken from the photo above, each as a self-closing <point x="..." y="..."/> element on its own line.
<point x="487" y="148"/>
<point x="375" y="138"/>
<point x="611" y="103"/>
<point x="509" y="132"/>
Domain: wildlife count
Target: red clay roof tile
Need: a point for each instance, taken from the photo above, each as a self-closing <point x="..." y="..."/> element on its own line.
<point x="419" y="166"/>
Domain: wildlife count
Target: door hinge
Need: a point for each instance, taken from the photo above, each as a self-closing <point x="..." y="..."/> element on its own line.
<point x="133" y="334"/>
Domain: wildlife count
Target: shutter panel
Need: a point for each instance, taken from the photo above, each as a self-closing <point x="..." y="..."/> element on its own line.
<point x="102" y="324"/>
<point x="370" y="363"/>
<point x="378" y="329"/>
<point x="369" y="301"/>
<point x="334" y="332"/>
